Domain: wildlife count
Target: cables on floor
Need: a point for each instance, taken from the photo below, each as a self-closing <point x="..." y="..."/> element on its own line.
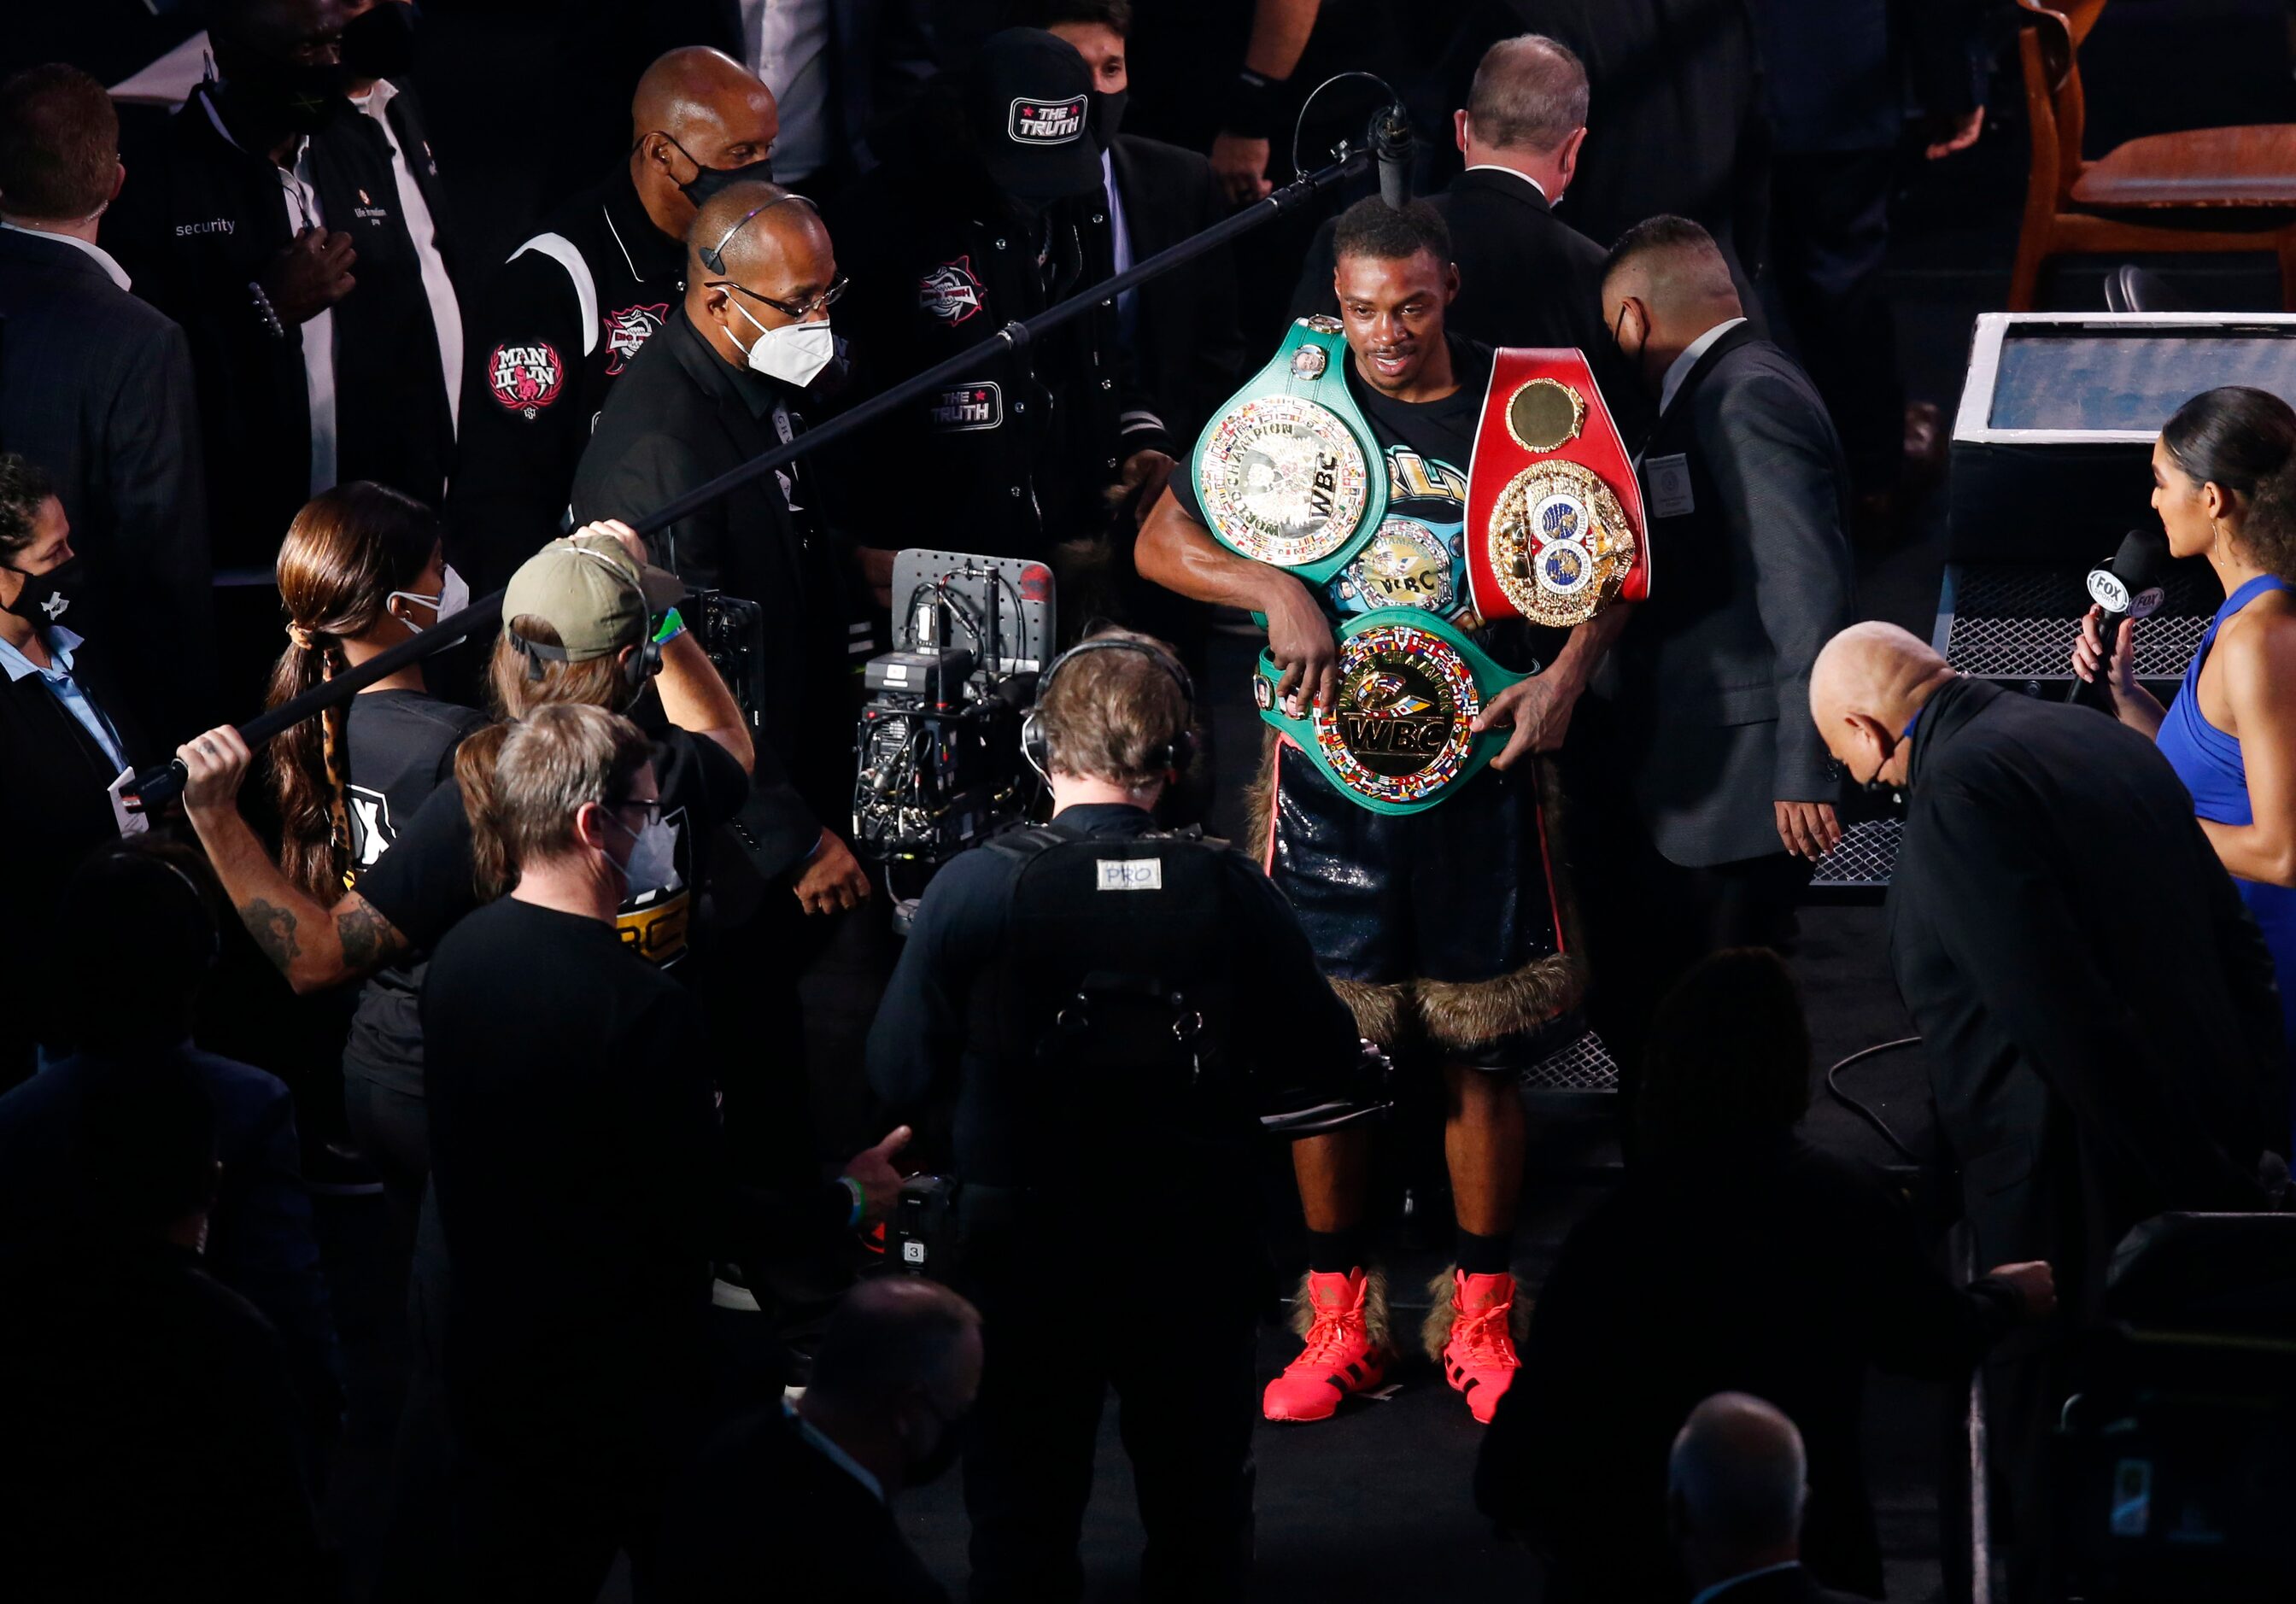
<point x="1881" y="1125"/>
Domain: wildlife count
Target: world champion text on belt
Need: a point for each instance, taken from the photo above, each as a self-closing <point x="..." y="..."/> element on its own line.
<point x="1555" y="531"/>
<point x="1399" y="737"/>
<point x="1288" y="472"/>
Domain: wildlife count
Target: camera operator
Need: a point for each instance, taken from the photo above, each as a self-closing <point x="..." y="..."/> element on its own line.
<point x="581" y="1186"/>
<point x="1070" y="996"/>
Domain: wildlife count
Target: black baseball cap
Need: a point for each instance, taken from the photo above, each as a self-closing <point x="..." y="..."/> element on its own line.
<point x="1031" y="107"/>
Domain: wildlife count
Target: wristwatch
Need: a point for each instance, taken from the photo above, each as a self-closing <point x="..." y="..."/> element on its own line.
<point x="1288" y="473"/>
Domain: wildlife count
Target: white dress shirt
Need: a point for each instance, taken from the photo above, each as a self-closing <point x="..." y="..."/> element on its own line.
<point x="103" y="257"/>
<point x="788" y="44"/>
<point x="423" y="228"/>
<point x="1493" y="167"/>
<point x="302" y="201"/>
<point x="1680" y="368"/>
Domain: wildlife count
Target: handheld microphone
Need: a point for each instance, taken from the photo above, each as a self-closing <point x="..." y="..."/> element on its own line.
<point x="1390" y="144"/>
<point x="2126" y="587"/>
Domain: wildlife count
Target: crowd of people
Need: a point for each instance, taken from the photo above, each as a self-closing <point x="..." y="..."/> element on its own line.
<point x="556" y="940"/>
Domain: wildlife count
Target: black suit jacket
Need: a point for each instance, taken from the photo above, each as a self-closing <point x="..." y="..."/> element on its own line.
<point x="680" y="416"/>
<point x="1746" y="585"/>
<point x="765" y="1503"/>
<point x="1526" y="278"/>
<point x="2101" y="1026"/>
<point x="1674" y="120"/>
<point x="1763" y="1265"/>
<point x="1188" y="345"/>
<point x="96" y="387"/>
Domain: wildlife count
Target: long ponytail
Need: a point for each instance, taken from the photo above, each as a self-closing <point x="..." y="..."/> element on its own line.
<point x="347" y="551"/>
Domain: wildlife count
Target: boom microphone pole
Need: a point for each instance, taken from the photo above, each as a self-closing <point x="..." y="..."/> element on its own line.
<point x="159" y="785"/>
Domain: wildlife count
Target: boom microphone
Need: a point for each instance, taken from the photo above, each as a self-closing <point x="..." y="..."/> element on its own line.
<point x="2126" y="587"/>
<point x="1390" y="143"/>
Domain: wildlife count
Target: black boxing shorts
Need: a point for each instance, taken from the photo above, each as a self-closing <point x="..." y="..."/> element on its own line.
<point x="1445" y="928"/>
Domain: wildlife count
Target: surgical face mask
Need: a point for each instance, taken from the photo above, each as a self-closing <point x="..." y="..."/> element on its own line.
<point x="453" y="592"/>
<point x="45" y="599"/>
<point x="653" y="859"/>
<point x="795" y="352"/>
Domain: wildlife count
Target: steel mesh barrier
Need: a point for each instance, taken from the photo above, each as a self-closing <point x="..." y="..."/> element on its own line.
<point x="1863" y="857"/>
<point x="1586" y="1065"/>
<point x="2018" y="623"/>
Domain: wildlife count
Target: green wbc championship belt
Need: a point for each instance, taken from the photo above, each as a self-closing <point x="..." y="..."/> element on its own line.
<point x="1288" y="472"/>
<point x="1401" y="737"/>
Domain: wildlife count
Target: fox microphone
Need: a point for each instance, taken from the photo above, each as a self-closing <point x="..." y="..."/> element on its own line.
<point x="2126" y="587"/>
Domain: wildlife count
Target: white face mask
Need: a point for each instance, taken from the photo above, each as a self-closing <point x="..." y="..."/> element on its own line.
<point x="654" y="860"/>
<point x="454" y="595"/>
<point x="795" y="352"/>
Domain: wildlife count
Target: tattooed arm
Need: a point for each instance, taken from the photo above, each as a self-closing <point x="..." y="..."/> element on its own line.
<point x="314" y="946"/>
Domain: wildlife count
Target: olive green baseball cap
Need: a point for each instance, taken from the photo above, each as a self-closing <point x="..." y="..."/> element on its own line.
<point x="588" y="589"/>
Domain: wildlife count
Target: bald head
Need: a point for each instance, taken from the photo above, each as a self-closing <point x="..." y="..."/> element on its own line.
<point x="771" y="252"/>
<point x="895" y="1336"/>
<point x="1664" y="284"/>
<point x="694" y="110"/>
<point x="1864" y="689"/>
<point x="1736" y="1478"/>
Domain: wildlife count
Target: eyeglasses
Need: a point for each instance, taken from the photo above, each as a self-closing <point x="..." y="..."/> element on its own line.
<point x="795" y="311"/>
<point x="650" y="806"/>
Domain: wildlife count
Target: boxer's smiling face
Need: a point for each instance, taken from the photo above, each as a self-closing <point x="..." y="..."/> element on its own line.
<point x="1392" y="308"/>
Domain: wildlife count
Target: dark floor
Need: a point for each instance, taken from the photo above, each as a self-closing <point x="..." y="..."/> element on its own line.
<point x="1375" y="1504"/>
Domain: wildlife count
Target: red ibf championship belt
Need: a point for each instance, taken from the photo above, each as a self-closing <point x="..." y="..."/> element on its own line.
<point x="1554" y="517"/>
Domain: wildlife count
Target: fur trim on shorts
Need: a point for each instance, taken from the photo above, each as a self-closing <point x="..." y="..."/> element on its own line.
<point x="1461" y="1014"/>
<point x="1435" y="1330"/>
<point x="1380" y="1011"/>
<point x="1260" y="802"/>
<point x="1303" y="1308"/>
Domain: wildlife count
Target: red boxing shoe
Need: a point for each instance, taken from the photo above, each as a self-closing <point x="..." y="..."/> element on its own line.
<point x="1344" y="1319"/>
<point x="1469" y="1333"/>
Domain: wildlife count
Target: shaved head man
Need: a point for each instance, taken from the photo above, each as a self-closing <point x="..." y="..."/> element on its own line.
<point x="698" y="121"/>
<point x="1736" y="1481"/>
<point x="1660" y="296"/>
<point x="759" y="265"/>
<point x="1866" y="690"/>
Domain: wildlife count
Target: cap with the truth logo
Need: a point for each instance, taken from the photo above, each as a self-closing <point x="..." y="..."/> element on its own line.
<point x="1029" y="105"/>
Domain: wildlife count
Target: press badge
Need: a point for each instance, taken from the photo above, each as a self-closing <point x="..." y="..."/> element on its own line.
<point x="127" y="811"/>
<point x="1131" y="874"/>
<point x="1669" y="478"/>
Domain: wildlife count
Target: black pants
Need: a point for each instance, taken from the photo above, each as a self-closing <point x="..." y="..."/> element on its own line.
<point x="1830" y="235"/>
<point x="531" y="1528"/>
<point x="1182" y="1368"/>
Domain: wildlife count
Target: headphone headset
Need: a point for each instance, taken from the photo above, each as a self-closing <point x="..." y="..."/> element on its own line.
<point x="644" y="666"/>
<point x="1177" y="753"/>
<point x="713" y="257"/>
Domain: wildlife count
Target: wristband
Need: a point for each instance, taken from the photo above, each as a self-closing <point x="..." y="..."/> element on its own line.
<point x="265" y="310"/>
<point x="860" y="1197"/>
<point x="1253" y="105"/>
<point x="672" y="627"/>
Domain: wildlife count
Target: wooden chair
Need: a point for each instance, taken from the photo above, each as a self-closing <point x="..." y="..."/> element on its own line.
<point x="2219" y="179"/>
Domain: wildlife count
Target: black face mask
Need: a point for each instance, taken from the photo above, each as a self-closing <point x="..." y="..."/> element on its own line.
<point x="709" y="181"/>
<point x="1107" y="116"/>
<point x="45" y="598"/>
<point x="298" y="97"/>
<point x="379" y="43"/>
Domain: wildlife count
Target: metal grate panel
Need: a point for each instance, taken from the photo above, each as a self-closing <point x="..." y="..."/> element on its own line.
<point x="1584" y="1066"/>
<point x="1863" y="856"/>
<point x="2018" y="623"/>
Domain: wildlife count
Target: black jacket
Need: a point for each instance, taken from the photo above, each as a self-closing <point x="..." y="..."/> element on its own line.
<point x="1746" y="585"/>
<point x="1017" y="453"/>
<point x="577" y="302"/>
<point x="1187" y="347"/>
<point x="681" y="416"/>
<point x="2101" y="1022"/>
<point x="1673" y="119"/>
<point x="96" y="387"/>
<point x="763" y="1500"/>
<point x="201" y="221"/>
<point x="1768" y="1266"/>
<point x="1526" y="278"/>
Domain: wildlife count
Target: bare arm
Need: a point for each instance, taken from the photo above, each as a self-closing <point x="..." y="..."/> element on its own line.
<point x="1539" y="707"/>
<point x="1180" y="553"/>
<point x="2255" y="672"/>
<point x="2132" y="703"/>
<point x="314" y="946"/>
<point x="694" y="699"/>
<point x="1279" y="35"/>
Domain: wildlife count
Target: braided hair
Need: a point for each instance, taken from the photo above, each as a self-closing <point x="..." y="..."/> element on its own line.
<point x="347" y="551"/>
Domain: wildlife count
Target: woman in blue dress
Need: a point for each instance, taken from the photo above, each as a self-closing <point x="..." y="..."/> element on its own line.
<point x="2224" y="482"/>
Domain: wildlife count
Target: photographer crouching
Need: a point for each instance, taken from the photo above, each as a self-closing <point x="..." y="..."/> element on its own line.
<point x="1072" y="1006"/>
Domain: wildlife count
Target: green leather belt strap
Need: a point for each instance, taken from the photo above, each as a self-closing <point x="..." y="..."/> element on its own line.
<point x="1400" y="739"/>
<point x="1288" y="473"/>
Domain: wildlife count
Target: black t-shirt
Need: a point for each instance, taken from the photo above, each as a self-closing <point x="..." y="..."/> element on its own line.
<point x="1418" y="557"/>
<point x="428" y="881"/>
<point x="400" y="748"/>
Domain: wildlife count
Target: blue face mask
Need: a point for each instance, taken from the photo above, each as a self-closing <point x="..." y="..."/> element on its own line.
<point x="652" y="865"/>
